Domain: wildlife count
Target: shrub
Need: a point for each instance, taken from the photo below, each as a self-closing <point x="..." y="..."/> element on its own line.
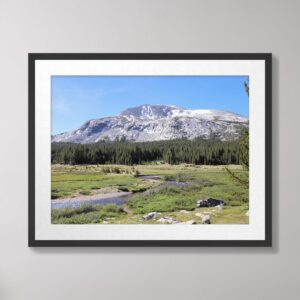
<point x="169" y="177"/>
<point x="116" y="170"/>
<point x="136" y="173"/>
<point x="84" y="192"/>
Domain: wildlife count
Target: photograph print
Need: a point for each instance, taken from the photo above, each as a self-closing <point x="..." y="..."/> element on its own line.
<point x="149" y="150"/>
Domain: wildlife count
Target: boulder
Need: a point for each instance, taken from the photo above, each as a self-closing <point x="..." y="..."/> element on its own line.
<point x="184" y="211"/>
<point x="167" y="220"/>
<point x="209" y="202"/>
<point x="205" y="218"/>
<point x="151" y="216"/>
<point x="190" y="222"/>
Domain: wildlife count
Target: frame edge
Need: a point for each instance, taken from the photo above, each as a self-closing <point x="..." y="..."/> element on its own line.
<point x="32" y="242"/>
<point x="31" y="150"/>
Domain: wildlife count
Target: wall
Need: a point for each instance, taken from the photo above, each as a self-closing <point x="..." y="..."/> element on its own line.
<point x="148" y="26"/>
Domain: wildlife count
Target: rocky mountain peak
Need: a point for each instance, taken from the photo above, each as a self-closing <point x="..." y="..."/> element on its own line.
<point x="148" y="111"/>
<point x="158" y="122"/>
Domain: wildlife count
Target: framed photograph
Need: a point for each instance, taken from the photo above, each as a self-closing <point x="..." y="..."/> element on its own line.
<point x="150" y="150"/>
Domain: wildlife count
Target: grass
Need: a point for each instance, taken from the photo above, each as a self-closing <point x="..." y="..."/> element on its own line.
<point x="180" y="177"/>
<point x="202" y="182"/>
<point x="167" y="198"/>
<point x="68" y="181"/>
<point x="231" y="215"/>
<point x="85" y="214"/>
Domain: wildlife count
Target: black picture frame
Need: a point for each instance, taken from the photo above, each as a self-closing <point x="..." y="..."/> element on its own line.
<point x="266" y="57"/>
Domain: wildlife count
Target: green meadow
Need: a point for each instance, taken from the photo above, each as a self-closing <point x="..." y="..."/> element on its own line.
<point x="173" y="193"/>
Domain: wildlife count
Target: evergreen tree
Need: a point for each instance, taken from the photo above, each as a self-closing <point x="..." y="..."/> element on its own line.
<point x="244" y="143"/>
<point x="198" y="151"/>
<point x="244" y="149"/>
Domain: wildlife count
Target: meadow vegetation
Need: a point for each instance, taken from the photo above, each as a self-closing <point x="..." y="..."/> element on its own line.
<point x="178" y="189"/>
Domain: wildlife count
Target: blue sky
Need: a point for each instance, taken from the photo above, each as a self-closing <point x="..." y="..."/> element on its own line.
<point x="76" y="99"/>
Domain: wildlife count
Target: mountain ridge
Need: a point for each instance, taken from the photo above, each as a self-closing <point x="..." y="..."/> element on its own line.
<point x="158" y="122"/>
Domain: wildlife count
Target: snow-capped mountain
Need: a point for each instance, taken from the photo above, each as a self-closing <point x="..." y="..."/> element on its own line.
<point x="156" y="123"/>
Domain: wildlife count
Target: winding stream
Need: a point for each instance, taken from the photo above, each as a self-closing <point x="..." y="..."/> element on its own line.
<point x="118" y="200"/>
<point x="75" y="203"/>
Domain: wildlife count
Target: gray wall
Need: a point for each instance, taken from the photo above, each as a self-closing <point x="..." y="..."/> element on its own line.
<point x="148" y="26"/>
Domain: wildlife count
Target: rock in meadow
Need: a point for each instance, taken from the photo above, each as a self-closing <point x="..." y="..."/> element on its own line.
<point x="190" y="222"/>
<point x="209" y="202"/>
<point x="205" y="218"/>
<point x="167" y="220"/>
<point x="151" y="216"/>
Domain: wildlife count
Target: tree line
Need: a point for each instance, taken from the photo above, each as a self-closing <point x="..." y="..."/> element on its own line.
<point x="198" y="151"/>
